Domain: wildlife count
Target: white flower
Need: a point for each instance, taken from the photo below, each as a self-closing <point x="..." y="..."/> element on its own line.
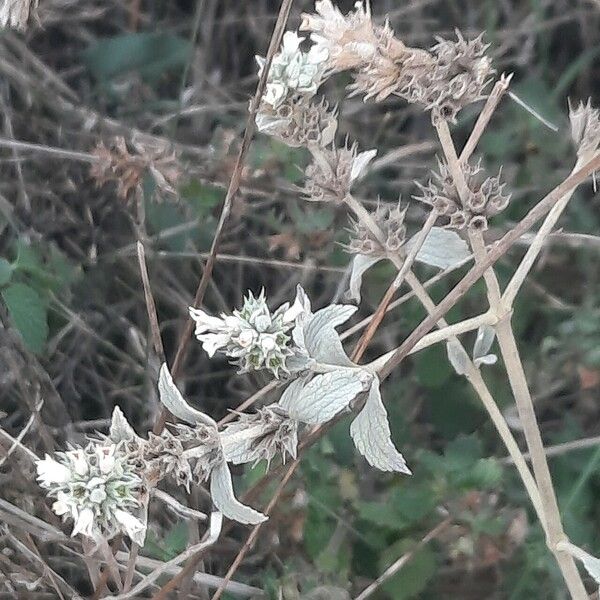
<point x="90" y="485"/>
<point x="84" y="523"/>
<point x="50" y="472"/>
<point x="134" y="527"/>
<point x="292" y="70"/>
<point x="253" y="336"/>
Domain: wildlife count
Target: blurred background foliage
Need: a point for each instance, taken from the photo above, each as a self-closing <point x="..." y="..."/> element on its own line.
<point x="75" y="331"/>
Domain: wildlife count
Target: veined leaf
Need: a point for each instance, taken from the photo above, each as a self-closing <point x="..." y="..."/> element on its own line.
<point x="28" y="313"/>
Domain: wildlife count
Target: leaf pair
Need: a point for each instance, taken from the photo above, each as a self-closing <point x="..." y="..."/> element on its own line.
<point x="324" y="396"/>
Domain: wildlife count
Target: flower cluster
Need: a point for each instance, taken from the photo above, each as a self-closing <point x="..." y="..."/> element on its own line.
<point x="253" y="336"/>
<point x="293" y="71"/>
<point x="486" y="197"/>
<point x="445" y="79"/>
<point x="390" y="221"/>
<point x="260" y="436"/>
<point x="333" y="171"/>
<point x="297" y="123"/>
<point x="97" y="488"/>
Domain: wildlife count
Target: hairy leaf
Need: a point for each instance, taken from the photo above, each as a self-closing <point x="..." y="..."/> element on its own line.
<point x="174" y="402"/>
<point x="442" y="248"/>
<point x="120" y="429"/>
<point x="323" y="397"/>
<point x="321" y="340"/>
<point x="371" y="434"/>
<point x="360" y="265"/>
<point x="457" y="356"/>
<point x="486" y="335"/>
<point x="221" y="490"/>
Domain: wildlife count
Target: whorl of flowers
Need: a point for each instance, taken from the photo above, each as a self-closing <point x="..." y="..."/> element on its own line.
<point x="260" y="436"/>
<point x="97" y="488"/>
<point x="298" y="123"/>
<point x="293" y="71"/>
<point x="253" y="336"/>
<point x="486" y="197"/>
<point x="451" y="75"/>
<point x="390" y="220"/>
<point x="585" y="129"/>
<point x="333" y="171"/>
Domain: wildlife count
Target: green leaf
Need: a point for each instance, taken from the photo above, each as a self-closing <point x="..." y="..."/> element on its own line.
<point x="202" y="197"/>
<point x="432" y="367"/>
<point x="28" y="313"/>
<point x="382" y="515"/>
<point x="149" y="53"/>
<point x="463" y="452"/>
<point x="413" y="577"/>
<point x="28" y="259"/>
<point x="6" y="270"/>
<point x="486" y="473"/>
<point x="413" y="503"/>
<point x="176" y="540"/>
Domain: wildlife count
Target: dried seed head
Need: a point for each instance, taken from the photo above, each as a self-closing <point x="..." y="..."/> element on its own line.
<point x="160" y="456"/>
<point x="127" y="169"/>
<point x="486" y="196"/>
<point x="585" y="129"/>
<point x="297" y="122"/>
<point x="260" y="436"/>
<point x="460" y="75"/>
<point x="390" y="220"/>
<point x="478" y="223"/>
<point x="293" y="71"/>
<point x="348" y="40"/>
<point x="329" y="178"/>
<point x="444" y="79"/>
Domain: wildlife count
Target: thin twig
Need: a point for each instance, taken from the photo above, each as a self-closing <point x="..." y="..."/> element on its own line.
<point x="232" y="190"/>
<point x="419" y="240"/>
<point x="58" y="152"/>
<point x="398" y="564"/>
<point x="150" y="303"/>
<point x="485" y="116"/>
<point x="495" y="253"/>
<point x="254" y="533"/>
<point x="514" y="285"/>
<point x="518" y="383"/>
<point x="209" y="539"/>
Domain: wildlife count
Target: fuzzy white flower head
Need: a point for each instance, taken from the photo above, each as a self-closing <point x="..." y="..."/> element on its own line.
<point x="292" y="70"/>
<point x="96" y="488"/>
<point x="253" y="336"/>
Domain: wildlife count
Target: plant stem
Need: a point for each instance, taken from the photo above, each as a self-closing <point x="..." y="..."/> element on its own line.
<point x="473" y="375"/>
<point x="497" y="251"/>
<point x="518" y="382"/>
